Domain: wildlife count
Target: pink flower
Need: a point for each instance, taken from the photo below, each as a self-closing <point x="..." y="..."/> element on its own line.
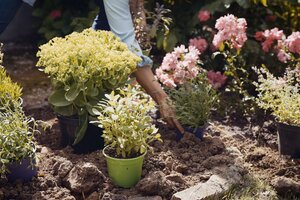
<point x="178" y="66"/>
<point x="293" y="42"/>
<point x="203" y="15"/>
<point x="230" y="29"/>
<point x="259" y="36"/>
<point x="55" y="14"/>
<point x="269" y="38"/>
<point x="216" y="79"/>
<point x="283" y="56"/>
<point x="199" y="43"/>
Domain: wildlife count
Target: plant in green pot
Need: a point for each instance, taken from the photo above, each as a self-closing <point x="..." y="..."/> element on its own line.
<point x="128" y="130"/>
<point x="17" y="155"/>
<point x="83" y="67"/>
<point x="193" y="102"/>
<point x="282" y="97"/>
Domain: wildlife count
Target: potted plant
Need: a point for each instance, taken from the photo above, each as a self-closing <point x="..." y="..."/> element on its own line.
<point x="189" y="90"/>
<point x="83" y="67"/>
<point x="127" y="132"/>
<point x="282" y="96"/>
<point x="193" y="102"/>
<point x="17" y="156"/>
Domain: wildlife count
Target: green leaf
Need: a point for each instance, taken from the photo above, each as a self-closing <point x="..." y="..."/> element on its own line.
<point x="57" y="98"/>
<point x="72" y="93"/>
<point x="65" y="110"/>
<point x="80" y="131"/>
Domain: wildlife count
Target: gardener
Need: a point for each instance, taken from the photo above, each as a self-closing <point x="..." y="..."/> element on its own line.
<point x="115" y="16"/>
<point x="8" y="9"/>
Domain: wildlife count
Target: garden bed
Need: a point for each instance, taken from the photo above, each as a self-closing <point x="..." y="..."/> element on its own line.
<point x="173" y="167"/>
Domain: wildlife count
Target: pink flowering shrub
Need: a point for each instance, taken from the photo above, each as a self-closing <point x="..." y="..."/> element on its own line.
<point x="199" y="43"/>
<point x="293" y="42"/>
<point x="231" y="29"/>
<point x="203" y="15"/>
<point x="269" y="38"/>
<point x="216" y="79"/>
<point x="275" y="40"/>
<point x="178" y="66"/>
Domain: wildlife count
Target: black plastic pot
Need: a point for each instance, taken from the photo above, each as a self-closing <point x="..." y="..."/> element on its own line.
<point x="289" y="140"/>
<point x="199" y="132"/>
<point x="22" y="170"/>
<point x="91" y="141"/>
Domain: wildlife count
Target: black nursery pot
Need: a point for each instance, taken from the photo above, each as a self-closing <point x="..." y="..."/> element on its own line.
<point x="289" y="140"/>
<point x="22" y="170"/>
<point x="91" y="141"/>
<point x="199" y="132"/>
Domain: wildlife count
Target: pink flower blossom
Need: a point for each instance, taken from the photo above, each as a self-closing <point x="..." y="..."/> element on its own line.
<point x="216" y="79"/>
<point x="178" y="66"/>
<point x="55" y="14"/>
<point x="203" y="15"/>
<point x="269" y="38"/>
<point x="293" y="42"/>
<point x="199" y="43"/>
<point x="259" y="36"/>
<point x="230" y="29"/>
<point x="283" y="56"/>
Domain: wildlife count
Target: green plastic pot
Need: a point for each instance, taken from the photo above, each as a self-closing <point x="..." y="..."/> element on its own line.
<point x="124" y="172"/>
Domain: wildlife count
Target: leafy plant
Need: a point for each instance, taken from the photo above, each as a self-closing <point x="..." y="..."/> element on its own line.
<point x="193" y="101"/>
<point x="9" y="91"/>
<point x="280" y="95"/>
<point x="83" y="67"/>
<point x="127" y="126"/>
<point x="17" y="136"/>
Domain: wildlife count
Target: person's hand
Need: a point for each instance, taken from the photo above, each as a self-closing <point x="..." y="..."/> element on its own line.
<point x="168" y="115"/>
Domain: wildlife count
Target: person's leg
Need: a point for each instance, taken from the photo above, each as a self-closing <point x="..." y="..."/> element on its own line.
<point x="100" y="22"/>
<point x="8" y="9"/>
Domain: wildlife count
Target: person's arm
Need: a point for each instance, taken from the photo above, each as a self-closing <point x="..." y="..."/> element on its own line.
<point x="120" y="22"/>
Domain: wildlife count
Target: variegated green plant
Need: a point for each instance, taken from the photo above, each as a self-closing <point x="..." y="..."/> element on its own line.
<point x="280" y="95"/>
<point x="127" y="126"/>
<point x="83" y="67"/>
<point x="17" y="136"/>
<point x="193" y="101"/>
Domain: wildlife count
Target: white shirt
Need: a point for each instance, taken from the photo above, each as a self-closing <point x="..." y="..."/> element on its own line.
<point x="30" y="2"/>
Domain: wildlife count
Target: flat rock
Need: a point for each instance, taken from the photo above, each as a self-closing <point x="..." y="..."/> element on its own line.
<point x="84" y="177"/>
<point x="175" y="177"/>
<point x="217" y="185"/>
<point x="53" y="193"/>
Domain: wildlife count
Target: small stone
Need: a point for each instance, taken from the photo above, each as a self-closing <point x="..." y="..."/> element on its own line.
<point x="181" y="168"/>
<point x="84" y="177"/>
<point x="176" y="177"/>
<point x="62" y="166"/>
<point x="110" y="196"/>
<point x="44" y="150"/>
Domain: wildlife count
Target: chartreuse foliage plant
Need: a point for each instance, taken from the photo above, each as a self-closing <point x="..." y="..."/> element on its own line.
<point x="83" y="67"/>
<point x="127" y="126"/>
<point x="193" y="101"/>
<point x="17" y="136"/>
<point x="9" y="91"/>
<point x="280" y="95"/>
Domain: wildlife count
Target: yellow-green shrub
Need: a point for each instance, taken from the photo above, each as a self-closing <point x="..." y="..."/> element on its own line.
<point x="83" y="67"/>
